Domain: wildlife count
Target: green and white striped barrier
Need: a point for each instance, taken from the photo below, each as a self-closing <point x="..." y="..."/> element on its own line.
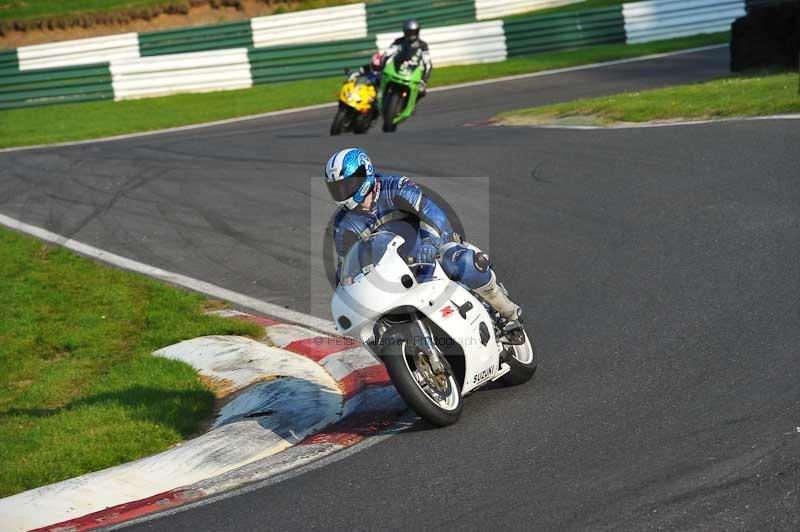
<point x="78" y="52"/>
<point x="197" y="39"/>
<point x="345" y="22"/>
<point x="308" y="61"/>
<point x="531" y="35"/>
<point x="462" y="44"/>
<point x="487" y="9"/>
<point x="323" y="42"/>
<point x="317" y="25"/>
<point x="665" y="19"/>
<point x="169" y="74"/>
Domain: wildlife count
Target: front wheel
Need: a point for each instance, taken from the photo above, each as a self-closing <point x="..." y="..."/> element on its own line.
<point x="435" y="398"/>
<point x="342" y="114"/>
<point x="391" y="108"/>
<point x="523" y="361"/>
<point x="361" y="124"/>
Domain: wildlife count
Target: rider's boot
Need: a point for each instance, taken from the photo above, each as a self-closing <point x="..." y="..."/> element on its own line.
<point x="497" y="296"/>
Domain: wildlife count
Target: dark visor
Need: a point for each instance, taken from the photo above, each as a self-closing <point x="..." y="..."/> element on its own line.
<point x="345" y="188"/>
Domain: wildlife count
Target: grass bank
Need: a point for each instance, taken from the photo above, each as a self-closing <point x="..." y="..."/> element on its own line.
<point x="22" y="127"/>
<point x="19" y="10"/>
<point x="735" y="96"/>
<point x="80" y="389"/>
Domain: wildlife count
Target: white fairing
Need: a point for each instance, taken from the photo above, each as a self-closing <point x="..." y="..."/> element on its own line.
<point x="367" y="297"/>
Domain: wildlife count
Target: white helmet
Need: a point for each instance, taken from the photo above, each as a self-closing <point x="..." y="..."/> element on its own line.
<point x="350" y="177"/>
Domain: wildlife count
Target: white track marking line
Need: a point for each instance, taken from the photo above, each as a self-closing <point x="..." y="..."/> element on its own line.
<point x="200" y="125"/>
<point x="661" y="124"/>
<point x="332" y="104"/>
<point x="174" y="278"/>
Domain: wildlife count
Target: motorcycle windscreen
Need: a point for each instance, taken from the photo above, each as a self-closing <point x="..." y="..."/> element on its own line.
<point x="406" y="54"/>
<point x="407" y="228"/>
<point x="364" y="255"/>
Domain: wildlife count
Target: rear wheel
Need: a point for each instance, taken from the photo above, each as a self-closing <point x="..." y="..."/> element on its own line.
<point x="523" y="361"/>
<point x="340" y="120"/>
<point x="435" y="398"/>
<point x="392" y="107"/>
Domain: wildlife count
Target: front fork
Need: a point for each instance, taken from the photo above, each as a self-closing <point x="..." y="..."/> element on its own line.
<point x="411" y="101"/>
<point x="438" y="362"/>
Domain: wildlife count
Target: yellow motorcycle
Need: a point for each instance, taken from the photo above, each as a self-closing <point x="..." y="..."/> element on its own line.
<point x="357" y="110"/>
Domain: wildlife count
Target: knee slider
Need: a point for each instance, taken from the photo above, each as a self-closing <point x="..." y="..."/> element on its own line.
<point x="481" y="261"/>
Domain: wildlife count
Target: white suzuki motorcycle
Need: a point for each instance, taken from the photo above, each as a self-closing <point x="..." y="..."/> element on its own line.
<point x="438" y="341"/>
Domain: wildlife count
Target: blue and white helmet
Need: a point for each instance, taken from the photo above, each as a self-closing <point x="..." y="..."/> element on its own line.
<point x="350" y="177"/>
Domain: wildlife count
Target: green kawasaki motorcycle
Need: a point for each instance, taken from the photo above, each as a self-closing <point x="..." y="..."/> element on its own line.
<point x="399" y="89"/>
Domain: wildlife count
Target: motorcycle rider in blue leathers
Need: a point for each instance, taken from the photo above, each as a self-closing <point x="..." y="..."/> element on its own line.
<point x="371" y="201"/>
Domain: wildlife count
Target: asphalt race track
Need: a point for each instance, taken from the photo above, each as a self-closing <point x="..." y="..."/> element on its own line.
<point x="659" y="270"/>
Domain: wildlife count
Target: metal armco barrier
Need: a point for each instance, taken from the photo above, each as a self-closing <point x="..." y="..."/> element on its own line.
<point x="55" y="85"/>
<point x="666" y="19"/>
<point x="315" y="25"/>
<point x="389" y="15"/>
<point x="486" y="9"/>
<point x="277" y="48"/>
<point x="544" y="33"/>
<point x="8" y="62"/>
<point x="478" y="42"/>
<point x="308" y="61"/>
<point x="78" y="52"/>
<point x="197" y="39"/>
<point x="169" y="74"/>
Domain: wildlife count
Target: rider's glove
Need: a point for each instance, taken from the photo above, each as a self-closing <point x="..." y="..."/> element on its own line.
<point x="427" y="253"/>
<point x="428" y="249"/>
<point x="422" y="87"/>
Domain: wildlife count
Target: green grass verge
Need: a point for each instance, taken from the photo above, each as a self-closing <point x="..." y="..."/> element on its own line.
<point x="17" y="10"/>
<point x="59" y="123"/>
<point x="80" y="390"/>
<point x="749" y="95"/>
<point x="20" y="10"/>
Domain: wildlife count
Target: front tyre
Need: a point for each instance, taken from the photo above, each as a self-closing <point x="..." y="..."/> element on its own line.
<point x="437" y="401"/>
<point x="523" y="361"/>
<point x="361" y="125"/>
<point x="339" y="121"/>
<point x="391" y="108"/>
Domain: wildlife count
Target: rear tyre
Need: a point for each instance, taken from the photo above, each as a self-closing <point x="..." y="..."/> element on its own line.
<point x="394" y="102"/>
<point x="342" y="115"/>
<point x="523" y="361"/>
<point x="439" y="405"/>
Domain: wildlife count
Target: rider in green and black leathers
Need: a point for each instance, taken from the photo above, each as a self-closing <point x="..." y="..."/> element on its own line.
<point x="412" y="46"/>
